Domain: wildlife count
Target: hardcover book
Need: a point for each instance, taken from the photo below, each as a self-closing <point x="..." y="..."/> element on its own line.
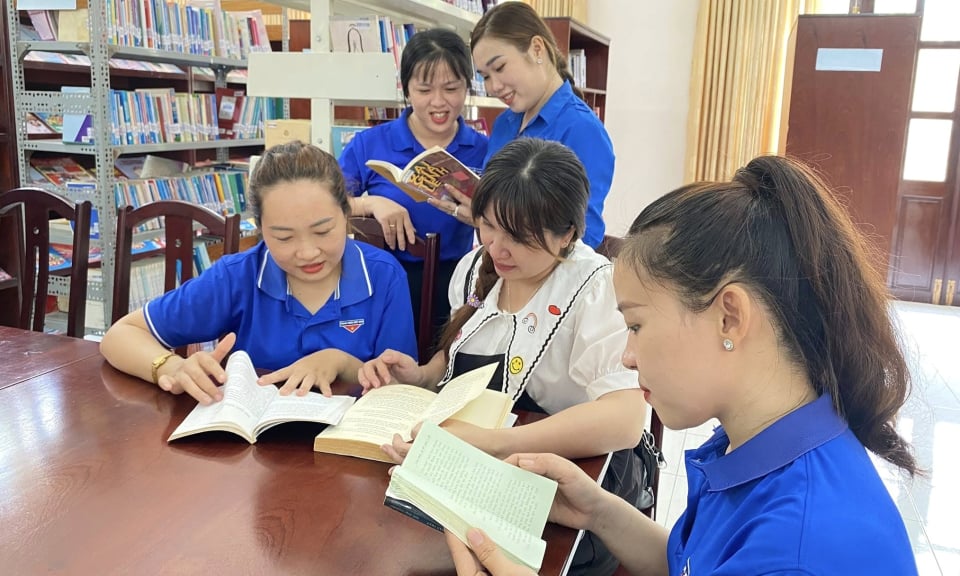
<point x="428" y="172"/>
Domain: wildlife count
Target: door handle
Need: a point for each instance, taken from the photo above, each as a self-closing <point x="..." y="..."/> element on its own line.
<point x="937" y="290"/>
<point x="951" y="291"/>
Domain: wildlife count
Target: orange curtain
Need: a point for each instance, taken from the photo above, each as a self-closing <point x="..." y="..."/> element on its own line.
<point x="737" y="84"/>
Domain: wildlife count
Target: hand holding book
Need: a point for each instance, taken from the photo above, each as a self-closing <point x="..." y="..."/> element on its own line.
<point x="427" y="175"/>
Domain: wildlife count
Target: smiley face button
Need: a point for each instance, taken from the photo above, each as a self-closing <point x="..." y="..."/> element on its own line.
<point x="516" y="365"/>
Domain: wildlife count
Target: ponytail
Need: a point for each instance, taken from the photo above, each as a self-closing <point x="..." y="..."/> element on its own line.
<point x="777" y="229"/>
<point x="563" y="68"/>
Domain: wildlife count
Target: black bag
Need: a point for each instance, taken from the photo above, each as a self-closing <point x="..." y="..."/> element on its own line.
<point x="651" y="458"/>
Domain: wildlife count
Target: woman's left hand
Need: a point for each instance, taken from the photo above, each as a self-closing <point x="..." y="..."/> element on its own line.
<point x="319" y="370"/>
<point x="460" y="207"/>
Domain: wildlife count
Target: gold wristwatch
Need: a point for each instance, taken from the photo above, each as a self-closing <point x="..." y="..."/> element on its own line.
<point x="158" y="362"/>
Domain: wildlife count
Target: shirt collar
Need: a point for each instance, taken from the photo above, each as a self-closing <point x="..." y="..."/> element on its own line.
<point x="551" y="110"/>
<point x="402" y="139"/>
<point x="787" y="439"/>
<point x="355" y="284"/>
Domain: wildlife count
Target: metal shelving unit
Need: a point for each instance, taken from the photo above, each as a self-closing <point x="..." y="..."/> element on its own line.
<point x="96" y="104"/>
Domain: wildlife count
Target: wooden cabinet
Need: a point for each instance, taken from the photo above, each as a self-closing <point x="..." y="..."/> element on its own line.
<point x="572" y="35"/>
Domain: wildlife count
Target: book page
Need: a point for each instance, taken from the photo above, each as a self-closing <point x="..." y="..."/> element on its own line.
<point x="243" y="402"/>
<point x="435" y="167"/>
<point x="313" y="407"/>
<point x="381" y="413"/>
<point x="458" y="392"/>
<point x="488" y="410"/>
<point x="461" y="487"/>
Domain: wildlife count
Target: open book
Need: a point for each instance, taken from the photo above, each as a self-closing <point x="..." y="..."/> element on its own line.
<point x="461" y="487"/>
<point x="425" y="175"/>
<point x="247" y="409"/>
<point x="397" y="408"/>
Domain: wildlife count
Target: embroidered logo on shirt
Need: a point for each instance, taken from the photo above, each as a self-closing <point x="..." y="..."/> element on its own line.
<point x="351" y="326"/>
<point x="516" y="365"/>
<point x="530" y="321"/>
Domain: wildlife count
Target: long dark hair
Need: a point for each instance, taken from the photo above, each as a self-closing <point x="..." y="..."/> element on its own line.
<point x="778" y="230"/>
<point x="517" y="23"/>
<point x="429" y="47"/>
<point x="534" y="187"/>
<point x="294" y="161"/>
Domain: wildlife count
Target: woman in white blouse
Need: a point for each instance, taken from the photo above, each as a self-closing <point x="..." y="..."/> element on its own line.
<point x="540" y="302"/>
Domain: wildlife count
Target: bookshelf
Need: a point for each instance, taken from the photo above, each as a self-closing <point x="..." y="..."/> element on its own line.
<point x="34" y="90"/>
<point x="572" y="35"/>
<point x="281" y="74"/>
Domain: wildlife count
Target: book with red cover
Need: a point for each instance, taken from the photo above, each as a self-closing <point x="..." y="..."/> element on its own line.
<point x="229" y="106"/>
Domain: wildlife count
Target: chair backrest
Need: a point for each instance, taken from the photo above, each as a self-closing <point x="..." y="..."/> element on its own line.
<point x="36" y="208"/>
<point x="428" y="248"/>
<point x="179" y="236"/>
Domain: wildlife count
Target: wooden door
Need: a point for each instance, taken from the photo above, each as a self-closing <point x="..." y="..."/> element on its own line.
<point x="851" y="124"/>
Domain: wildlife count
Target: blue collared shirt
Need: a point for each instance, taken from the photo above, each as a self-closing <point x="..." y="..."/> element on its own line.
<point x="567" y="119"/>
<point x="801" y="497"/>
<point x="247" y="293"/>
<point x="395" y="143"/>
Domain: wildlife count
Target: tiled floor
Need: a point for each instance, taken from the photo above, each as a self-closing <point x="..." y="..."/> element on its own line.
<point x="930" y="420"/>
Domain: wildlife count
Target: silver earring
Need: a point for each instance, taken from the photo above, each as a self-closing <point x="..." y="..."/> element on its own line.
<point x="539" y="60"/>
<point x="728" y="344"/>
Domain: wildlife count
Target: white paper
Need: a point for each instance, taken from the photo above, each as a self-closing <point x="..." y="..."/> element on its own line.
<point x="849" y="59"/>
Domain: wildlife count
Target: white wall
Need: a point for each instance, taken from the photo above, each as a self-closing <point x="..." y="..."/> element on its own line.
<point x="648" y="82"/>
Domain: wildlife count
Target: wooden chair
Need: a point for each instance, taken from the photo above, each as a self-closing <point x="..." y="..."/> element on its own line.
<point x="179" y="236"/>
<point x="30" y="210"/>
<point x="610" y="247"/>
<point x="369" y="230"/>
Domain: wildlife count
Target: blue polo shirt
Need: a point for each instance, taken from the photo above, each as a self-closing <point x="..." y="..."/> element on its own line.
<point x="567" y="119"/>
<point x="247" y="293"/>
<point x="395" y="143"/>
<point x="801" y="497"/>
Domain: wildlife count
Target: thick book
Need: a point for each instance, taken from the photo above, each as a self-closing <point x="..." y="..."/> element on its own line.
<point x="247" y="409"/>
<point x="445" y="482"/>
<point x="397" y="408"/>
<point x="424" y="176"/>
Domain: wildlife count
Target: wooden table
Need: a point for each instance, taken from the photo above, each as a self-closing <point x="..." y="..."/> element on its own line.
<point x="89" y="485"/>
<point x="25" y="354"/>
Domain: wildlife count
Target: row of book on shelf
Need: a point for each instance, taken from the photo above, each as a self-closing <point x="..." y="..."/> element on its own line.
<point x="162" y="115"/>
<point x="235" y="76"/>
<point x="197" y="27"/>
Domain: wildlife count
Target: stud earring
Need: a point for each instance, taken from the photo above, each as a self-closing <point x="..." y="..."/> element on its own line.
<point x="728" y="344"/>
<point x="539" y="60"/>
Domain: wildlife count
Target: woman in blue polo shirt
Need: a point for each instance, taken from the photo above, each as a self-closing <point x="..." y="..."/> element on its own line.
<point x="435" y="72"/>
<point x="307" y="302"/>
<point x="765" y="283"/>
<point x="518" y="58"/>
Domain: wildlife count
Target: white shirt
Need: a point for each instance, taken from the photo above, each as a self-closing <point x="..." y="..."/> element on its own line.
<point x="564" y="346"/>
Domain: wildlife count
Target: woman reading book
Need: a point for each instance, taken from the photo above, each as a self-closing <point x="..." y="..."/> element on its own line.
<point x="540" y="303"/>
<point x="435" y="73"/>
<point x="516" y="54"/>
<point x="753" y="302"/>
<point x="306" y="302"/>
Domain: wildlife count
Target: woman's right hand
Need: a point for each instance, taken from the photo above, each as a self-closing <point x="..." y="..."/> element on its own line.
<point x="195" y="375"/>
<point x="391" y="366"/>
<point x="398" y="230"/>
<point x="579" y="497"/>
